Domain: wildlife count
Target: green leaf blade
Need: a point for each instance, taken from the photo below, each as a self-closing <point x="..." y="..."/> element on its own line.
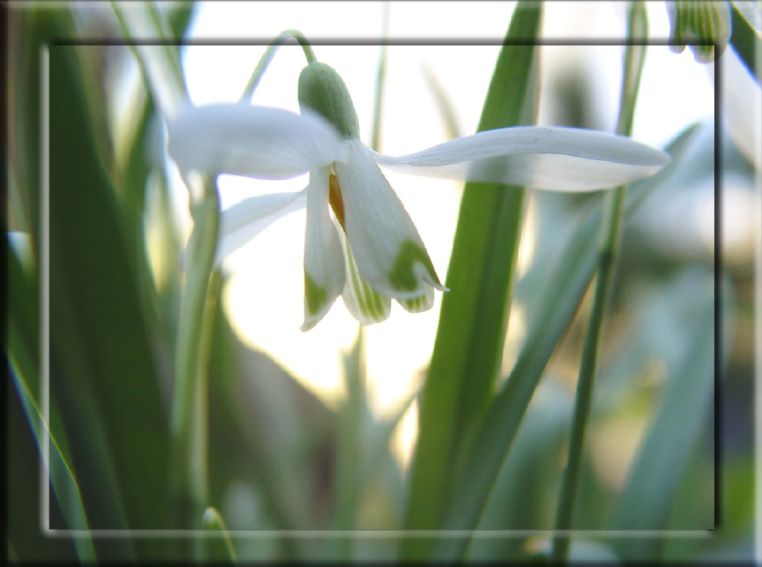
<point x="473" y="322"/>
<point x="102" y="361"/>
<point x="551" y="314"/>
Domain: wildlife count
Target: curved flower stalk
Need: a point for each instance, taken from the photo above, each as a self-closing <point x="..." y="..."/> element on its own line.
<point x="369" y="225"/>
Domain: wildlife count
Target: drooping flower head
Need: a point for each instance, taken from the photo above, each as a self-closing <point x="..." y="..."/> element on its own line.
<point x="360" y="242"/>
<point x="390" y="255"/>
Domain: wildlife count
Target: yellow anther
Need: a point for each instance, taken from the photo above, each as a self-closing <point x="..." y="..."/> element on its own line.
<point x="334" y="198"/>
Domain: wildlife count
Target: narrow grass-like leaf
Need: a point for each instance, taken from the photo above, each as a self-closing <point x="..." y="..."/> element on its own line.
<point x="65" y="487"/>
<point x="30" y="29"/>
<point x="23" y="533"/>
<point x="95" y="310"/>
<point x="660" y="464"/>
<point x="23" y="369"/>
<point x="473" y="321"/>
<point x="103" y="501"/>
<point x="746" y="40"/>
<point x="566" y="280"/>
<point x="608" y="253"/>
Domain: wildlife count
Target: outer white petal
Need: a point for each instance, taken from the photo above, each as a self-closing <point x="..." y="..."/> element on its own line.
<point x="255" y="141"/>
<point x="386" y="245"/>
<point x="243" y="221"/>
<point x="323" y="256"/>
<point x="561" y="159"/>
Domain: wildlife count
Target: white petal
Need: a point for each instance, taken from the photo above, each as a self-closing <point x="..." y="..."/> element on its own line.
<point x="323" y="257"/>
<point x="362" y="301"/>
<point x="389" y="252"/>
<point x="255" y="141"/>
<point x="561" y="159"/>
<point x="243" y="221"/>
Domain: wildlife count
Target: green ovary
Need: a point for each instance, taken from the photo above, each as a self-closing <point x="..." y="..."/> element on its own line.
<point x="315" y="295"/>
<point x="322" y="90"/>
<point x="402" y="276"/>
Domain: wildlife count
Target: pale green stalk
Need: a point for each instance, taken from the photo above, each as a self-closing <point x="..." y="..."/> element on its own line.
<point x="633" y="65"/>
<point x="189" y="477"/>
<point x="268" y="55"/>
<point x="375" y="139"/>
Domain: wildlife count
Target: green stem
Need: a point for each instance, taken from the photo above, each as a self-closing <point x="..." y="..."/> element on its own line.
<point x="189" y="409"/>
<point x="264" y="61"/>
<point x="375" y="139"/>
<point x="199" y="454"/>
<point x="633" y="65"/>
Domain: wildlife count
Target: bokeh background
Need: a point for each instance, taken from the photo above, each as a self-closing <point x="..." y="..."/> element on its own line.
<point x="313" y="432"/>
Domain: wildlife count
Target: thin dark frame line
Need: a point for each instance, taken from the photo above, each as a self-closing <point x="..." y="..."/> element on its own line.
<point x="545" y="42"/>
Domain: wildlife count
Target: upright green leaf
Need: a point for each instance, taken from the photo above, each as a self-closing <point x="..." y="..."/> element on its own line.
<point x="473" y="322"/>
<point x="31" y="28"/>
<point x="102" y="362"/>
<point x="22" y="534"/>
<point x="746" y="38"/>
<point x="564" y="283"/>
<point x="608" y="254"/>
<point x="22" y="357"/>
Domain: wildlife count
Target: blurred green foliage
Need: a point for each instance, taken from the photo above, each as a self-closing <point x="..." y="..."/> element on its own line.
<point x="281" y="460"/>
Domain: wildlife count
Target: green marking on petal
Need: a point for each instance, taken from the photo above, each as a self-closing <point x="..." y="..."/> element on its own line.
<point x="315" y="295"/>
<point x="373" y="306"/>
<point x="418" y="304"/>
<point x="402" y="276"/>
